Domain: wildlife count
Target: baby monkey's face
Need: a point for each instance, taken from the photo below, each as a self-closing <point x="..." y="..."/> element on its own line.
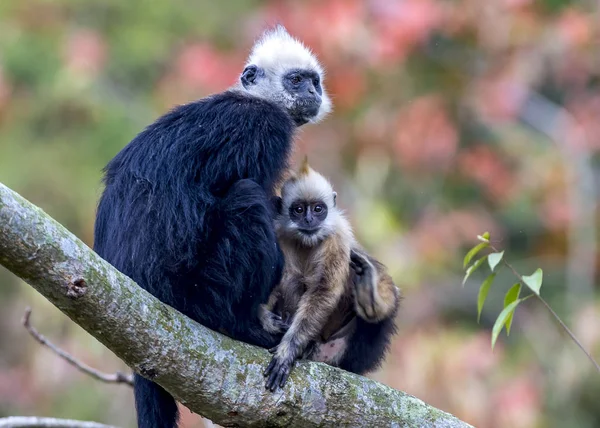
<point x="308" y="216"/>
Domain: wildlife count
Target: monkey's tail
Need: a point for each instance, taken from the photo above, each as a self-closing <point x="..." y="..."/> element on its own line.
<point x="155" y="407"/>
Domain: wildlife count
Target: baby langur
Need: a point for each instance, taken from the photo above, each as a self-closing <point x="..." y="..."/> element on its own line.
<point x="316" y="241"/>
<point x="341" y="316"/>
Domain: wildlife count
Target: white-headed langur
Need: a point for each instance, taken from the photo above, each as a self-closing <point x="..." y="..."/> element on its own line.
<point x="186" y="211"/>
<point x="335" y="304"/>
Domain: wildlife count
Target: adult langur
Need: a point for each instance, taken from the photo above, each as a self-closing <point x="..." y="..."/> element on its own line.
<point x="186" y="211"/>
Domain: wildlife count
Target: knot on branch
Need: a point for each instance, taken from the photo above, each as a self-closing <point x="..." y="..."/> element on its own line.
<point x="76" y="288"/>
<point x="148" y="372"/>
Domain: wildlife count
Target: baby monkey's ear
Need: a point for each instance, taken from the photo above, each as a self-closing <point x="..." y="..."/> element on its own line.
<point x="334" y="196"/>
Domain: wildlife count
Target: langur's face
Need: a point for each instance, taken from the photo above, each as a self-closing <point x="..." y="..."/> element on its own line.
<point x="308" y="216"/>
<point x="304" y="88"/>
<point x="282" y="70"/>
<point x="297" y="90"/>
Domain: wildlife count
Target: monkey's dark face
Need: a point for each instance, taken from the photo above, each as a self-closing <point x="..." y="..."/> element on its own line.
<point x="298" y="90"/>
<point x="304" y="87"/>
<point x="308" y="216"/>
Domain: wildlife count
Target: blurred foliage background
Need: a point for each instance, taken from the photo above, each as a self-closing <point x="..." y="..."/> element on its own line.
<point x="451" y="118"/>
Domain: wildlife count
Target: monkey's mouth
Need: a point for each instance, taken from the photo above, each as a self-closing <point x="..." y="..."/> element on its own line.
<point x="309" y="232"/>
<point x="305" y="110"/>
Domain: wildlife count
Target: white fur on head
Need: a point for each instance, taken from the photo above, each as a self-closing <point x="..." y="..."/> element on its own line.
<point x="309" y="185"/>
<point x="277" y="52"/>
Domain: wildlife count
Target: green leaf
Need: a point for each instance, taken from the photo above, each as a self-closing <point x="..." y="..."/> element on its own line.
<point x="473" y="252"/>
<point x="494" y="259"/>
<point x="502" y="319"/>
<point x="485" y="237"/>
<point x="483" y="292"/>
<point x="534" y="281"/>
<point x="473" y="268"/>
<point x="510" y="297"/>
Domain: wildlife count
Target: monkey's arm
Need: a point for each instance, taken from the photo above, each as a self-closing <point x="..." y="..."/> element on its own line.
<point x="376" y="295"/>
<point x="325" y="285"/>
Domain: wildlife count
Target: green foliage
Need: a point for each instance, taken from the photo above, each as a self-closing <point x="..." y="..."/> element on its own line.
<point x="485" y="237"/>
<point x="483" y="292"/>
<point x="473" y="252"/>
<point x="473" y="268"/>
<point x="494" y="259"/>
<point x="502" y="319"/>
<point x="511" y="296"/>
<point x="534" y="281"/>
<point x="511" y="299"/>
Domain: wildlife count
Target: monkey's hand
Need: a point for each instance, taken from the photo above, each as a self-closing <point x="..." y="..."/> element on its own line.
<point x="272" y="322"/>
<point x="279" y="368"/>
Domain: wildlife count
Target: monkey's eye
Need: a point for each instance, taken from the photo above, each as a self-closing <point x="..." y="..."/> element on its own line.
<point x="298" y="209"/>
<point x="296" y="79"/>
<point x="318" y="208"/>
<point x="316" y="82"/>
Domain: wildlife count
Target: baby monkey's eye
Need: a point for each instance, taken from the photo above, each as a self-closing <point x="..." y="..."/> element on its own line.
<point x="299" y="209"/>
<point x="318" y="208"/>
<point x="296" y="79"/>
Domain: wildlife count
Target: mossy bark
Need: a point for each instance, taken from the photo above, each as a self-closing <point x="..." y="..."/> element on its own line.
<point x="211" y="374"/>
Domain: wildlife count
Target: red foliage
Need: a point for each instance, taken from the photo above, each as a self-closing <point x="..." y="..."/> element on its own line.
<point x="575" y="28"/>
<point x="399" y="25"/>
<point x="426" y="139"/>
<point x="199" y="65"/>
<point x="519" y="400"/>
<point x="85" y="52"/>
<point x="484" y="166"/>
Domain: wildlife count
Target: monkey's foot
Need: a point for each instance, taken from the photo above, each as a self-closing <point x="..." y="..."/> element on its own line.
<point x="310" y="350"/>
<point x="277" y="372"/>
<point x="358" y="263"/>
<point x="274" y="323"/>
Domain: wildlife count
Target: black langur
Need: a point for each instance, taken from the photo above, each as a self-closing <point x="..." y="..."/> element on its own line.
<point x="319" y="297"/>
<point x="186" y="211"/>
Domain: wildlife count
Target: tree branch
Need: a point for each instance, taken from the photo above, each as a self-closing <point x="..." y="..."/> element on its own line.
<point x="211" y="374"/>
<point x="35" y="422"/>
<point x="117" y="377"/>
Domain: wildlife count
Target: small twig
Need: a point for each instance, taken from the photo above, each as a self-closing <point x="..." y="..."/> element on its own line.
<point x="554" y="314"/>
<point x="117" y="377"/>
<point x="35" y="422"/>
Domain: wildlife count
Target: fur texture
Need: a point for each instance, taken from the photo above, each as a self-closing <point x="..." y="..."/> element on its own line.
<point x="186" y="211"/>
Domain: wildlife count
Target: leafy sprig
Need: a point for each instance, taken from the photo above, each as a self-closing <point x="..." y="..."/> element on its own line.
<point x="512" y="298"/>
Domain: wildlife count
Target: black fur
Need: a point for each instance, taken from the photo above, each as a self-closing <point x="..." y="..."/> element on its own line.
<point x="187" y="214"/>
<point x="368" y="345"/>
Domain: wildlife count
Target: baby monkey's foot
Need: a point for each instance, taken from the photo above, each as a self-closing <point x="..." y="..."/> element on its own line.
<point x="274" y="323"/>
<point x="359" y="263"/>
